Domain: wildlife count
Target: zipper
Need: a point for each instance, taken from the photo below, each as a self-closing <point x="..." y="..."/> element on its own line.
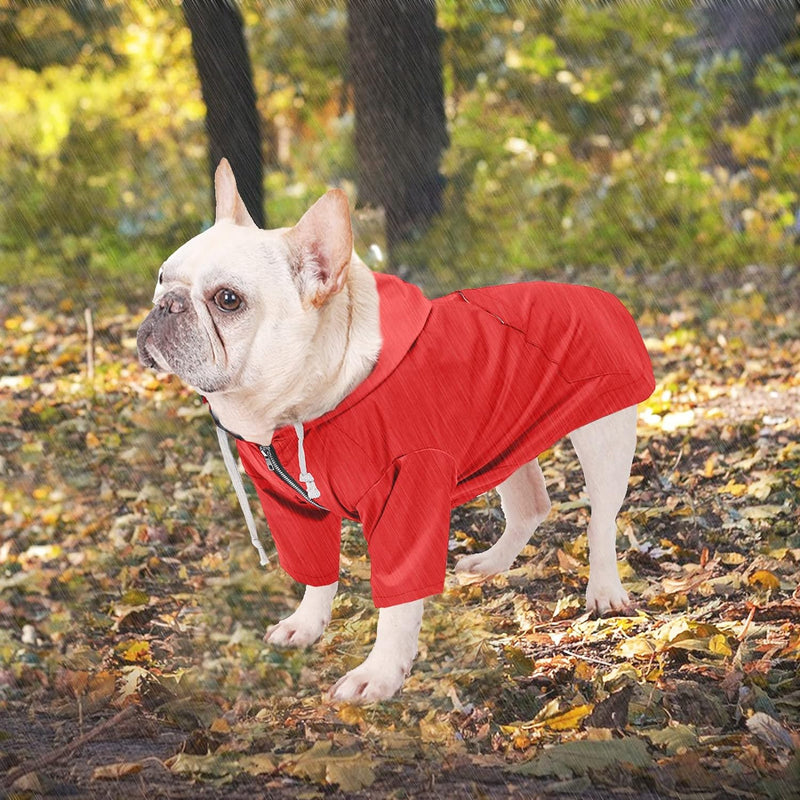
<point x="274" y="465"/>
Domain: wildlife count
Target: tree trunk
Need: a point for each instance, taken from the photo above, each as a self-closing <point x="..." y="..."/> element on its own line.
<point x="226" y="80"/>
<point x="396" y="74"/>
<point x="753" y="29"/>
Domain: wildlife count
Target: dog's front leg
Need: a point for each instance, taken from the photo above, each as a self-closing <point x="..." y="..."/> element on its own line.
<point x="305" y="626"/>
<point x="389" y="662"/>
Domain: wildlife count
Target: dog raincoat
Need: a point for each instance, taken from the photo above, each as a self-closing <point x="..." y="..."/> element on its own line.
<point x="467" y="388"/>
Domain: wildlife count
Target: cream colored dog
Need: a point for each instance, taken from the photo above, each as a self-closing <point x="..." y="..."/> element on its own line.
<point x="272" y="341"/>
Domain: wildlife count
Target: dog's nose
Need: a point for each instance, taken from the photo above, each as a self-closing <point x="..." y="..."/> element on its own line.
<point x="172" y="303"/>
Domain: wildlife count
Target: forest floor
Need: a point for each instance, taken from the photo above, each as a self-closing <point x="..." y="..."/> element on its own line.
<point x="132" y="607"/>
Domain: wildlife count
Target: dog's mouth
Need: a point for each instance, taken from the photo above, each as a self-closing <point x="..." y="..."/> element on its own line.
<point x="147" y="360"/>
<point x="149" y="354"/>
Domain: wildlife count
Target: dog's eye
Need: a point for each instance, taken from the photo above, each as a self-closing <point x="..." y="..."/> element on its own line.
<point x="227" y="300"/>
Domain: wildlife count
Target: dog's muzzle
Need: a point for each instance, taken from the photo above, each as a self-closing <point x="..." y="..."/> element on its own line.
<point x="168" y="304"/>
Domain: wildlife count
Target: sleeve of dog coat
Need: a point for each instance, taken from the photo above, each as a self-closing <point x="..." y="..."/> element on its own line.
<point x="406" y="519"/>
<point x="307" y="539"/>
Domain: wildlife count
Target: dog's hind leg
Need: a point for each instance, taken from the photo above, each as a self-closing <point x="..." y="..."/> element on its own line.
<point x="525" y="505"/>
<point x="605" y="449"/>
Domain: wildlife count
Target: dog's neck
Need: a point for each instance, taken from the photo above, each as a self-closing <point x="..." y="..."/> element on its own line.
<point x="343" y="351"/>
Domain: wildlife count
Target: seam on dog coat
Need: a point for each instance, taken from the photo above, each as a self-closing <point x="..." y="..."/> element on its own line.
<point x="466" y="390"/>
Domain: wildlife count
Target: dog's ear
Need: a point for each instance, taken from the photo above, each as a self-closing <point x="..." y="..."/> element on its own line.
<point x="229" y="203"/>
<point x="321" y="246"/>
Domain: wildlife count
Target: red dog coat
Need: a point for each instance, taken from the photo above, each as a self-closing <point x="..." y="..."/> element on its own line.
<point x="467" y="389"/>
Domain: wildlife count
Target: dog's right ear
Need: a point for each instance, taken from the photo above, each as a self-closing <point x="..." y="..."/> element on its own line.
<point x="228" y="200"/>
<point x="321" y="247"/>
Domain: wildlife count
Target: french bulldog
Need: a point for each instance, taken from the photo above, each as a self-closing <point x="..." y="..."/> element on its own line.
<point x="352" y="395"/>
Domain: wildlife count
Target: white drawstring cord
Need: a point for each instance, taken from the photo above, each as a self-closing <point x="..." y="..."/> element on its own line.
<point x="306" y="477"/>
<point x="238" y="486"/>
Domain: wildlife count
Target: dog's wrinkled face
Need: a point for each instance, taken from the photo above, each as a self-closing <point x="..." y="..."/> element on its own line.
<point x="211" y="304"/>
<point x="235" y="305"/>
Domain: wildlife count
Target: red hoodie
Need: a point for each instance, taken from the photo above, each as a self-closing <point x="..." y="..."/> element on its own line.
<point x="467" y="389"/>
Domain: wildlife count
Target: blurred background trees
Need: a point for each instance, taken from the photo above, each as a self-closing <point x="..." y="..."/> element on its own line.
<point x="226" y="82"/>
<point x="395" y="70"/>
<point x="633" y="139"/>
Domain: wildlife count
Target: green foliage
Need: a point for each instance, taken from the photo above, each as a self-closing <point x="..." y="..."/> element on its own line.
<point x="102" y="156"/>
<point x="583" y="137"/>
<point x="599" y="138"/>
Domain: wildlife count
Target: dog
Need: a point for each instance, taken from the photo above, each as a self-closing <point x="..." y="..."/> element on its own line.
<point x="392" y="409"/>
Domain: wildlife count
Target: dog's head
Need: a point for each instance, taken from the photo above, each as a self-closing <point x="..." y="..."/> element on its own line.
<point x="236" y="306"/>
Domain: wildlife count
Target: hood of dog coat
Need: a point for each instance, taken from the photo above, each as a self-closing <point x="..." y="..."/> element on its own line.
<point x="404" y="310"/>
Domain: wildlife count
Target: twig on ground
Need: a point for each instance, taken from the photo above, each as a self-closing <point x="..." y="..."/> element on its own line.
<point x="67" y="749"/>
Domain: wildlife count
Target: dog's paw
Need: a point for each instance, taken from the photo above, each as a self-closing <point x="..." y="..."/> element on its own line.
<point x="607" y="597"/>
<point x="297" y="630"/>
<point x="368" y="683"/>
<point x="484" y="565"/>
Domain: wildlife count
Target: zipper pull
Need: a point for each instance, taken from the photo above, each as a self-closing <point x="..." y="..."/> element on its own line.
<point x="268" y="457"/>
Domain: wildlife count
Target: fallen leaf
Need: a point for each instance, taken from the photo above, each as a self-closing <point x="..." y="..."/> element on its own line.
<point x="760" y="513"/>
<point x="612" y="712"/>
<point x="351" y="714"/>
<point x="578" y="758"/>
<point x="211" y="766"/>
<point x="310" y="764"/>
<point x="765" y="579"/>
<point x="137" y="651"/>
<point x="350" y="773"/>
<point x="116" y="771"/>
<point x="771" y="732"/>
<point x="675" y="738"/>
<point x="434" y="729"/>
<point x="569" y="719"/>
<point x="734" y="488"/>
<point x="258" y="763"/>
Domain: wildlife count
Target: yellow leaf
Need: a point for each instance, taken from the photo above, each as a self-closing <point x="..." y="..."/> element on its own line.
<point x="137" y="651"/>
<point x="636" y="647"/>
<point x="764" y="579"/>
<point x="733" y="488"/>
<point x="584" y="671"/>
<point x="719" y="644"/>
<point x="351" y="714"/>
<point x="570" y="719"/>
<point x="92" y="441"/>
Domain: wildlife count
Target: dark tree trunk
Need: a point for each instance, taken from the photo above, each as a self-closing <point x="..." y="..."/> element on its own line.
<point x="226" y="79"/>
<point x="753" y="28"/>
<point x="396" y="74"/>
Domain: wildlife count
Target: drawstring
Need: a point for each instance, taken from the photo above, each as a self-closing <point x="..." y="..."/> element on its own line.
<point x="306" y="477"/>
<point x="238" y="486"/>
<point x="236" y="479"/>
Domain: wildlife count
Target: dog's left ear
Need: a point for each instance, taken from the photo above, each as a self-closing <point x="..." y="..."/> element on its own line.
<point x="321" y="246"/>
<point x="228" y="200"/>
